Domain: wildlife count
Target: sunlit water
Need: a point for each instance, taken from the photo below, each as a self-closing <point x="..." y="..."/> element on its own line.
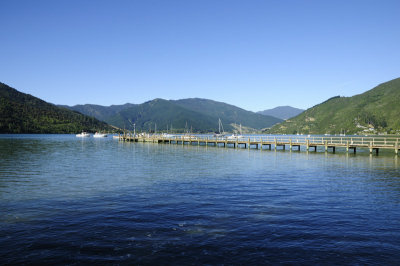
<point x="65" y="200"/>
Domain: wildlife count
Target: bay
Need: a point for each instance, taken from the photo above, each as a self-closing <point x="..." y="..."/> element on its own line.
<point x="65" y="200"/>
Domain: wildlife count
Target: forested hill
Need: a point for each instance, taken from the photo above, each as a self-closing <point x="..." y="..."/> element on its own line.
<point x="100" y="112"/>
<point x="24" y="113"/>
<point x="374" y="111"/>
<point x="231" y="115"/>
<point x="201" y="115"/>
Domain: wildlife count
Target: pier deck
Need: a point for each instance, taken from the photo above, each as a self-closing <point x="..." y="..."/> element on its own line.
<point x="283" y="142"/>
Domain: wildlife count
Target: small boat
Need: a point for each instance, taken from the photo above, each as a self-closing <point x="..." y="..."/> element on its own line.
<point x="99" y="135"/>
<point x="188" y="136"/>
<point x="166" y="135"/>
<point x="83" y="135"/>
<point x="220" y="133"/>
<point x="235" y="136"/>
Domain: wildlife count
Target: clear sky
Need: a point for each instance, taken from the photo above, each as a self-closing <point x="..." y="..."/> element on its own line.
<point x="252" y="54"/>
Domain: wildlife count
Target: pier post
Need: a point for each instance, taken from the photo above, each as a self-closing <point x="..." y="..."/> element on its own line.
<point x="248" y="146"/>
<point x="308" y="145"/>
<point x="396" y="147"/>
<point x="347" y="145"/>
<point x="370" y="147"/>
<point x="326" y="145"/>
<point x="290" y="143"/>
<point x="275" y="142"/>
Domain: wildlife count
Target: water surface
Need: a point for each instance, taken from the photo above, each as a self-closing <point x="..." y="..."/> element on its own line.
<point x="66" y="200"/>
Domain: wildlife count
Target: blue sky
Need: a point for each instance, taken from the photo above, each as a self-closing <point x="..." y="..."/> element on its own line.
<point x="252" y="54"/>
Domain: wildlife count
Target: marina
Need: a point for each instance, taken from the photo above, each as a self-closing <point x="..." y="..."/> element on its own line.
<point x="310" y="143"/>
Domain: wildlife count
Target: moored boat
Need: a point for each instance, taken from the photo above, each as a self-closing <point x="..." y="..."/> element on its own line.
<point x="99" y="135"/>
<point x="166" y="135"/>
<point x="235" y="136"/>
<point x="220" y="134"/>
<point x="83" y="135"/>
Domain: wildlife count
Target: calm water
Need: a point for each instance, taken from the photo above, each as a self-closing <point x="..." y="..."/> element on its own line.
<point x="65" y="200"/>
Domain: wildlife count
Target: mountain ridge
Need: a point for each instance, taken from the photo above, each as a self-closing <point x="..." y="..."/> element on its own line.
<point x="282" y="112"/>
<point x="200" y="114"/>
<point x="374" y="111"/>
<point x="24" y="113"/>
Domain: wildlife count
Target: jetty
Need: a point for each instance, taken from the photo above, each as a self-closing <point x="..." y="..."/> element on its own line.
<point x="309" y="143"/>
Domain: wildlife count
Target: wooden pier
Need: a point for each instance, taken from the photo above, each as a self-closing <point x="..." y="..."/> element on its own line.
<point x="310" y="143"/>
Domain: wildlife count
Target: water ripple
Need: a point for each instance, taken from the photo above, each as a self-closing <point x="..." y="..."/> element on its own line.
<point x="69" y="201"/>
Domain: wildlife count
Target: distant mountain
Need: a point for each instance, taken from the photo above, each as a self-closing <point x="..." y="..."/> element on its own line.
<point x="199" y="114"/>
<point x="229" y="114"/>
<point x="100" y="112"/>
<point x="23" y="113"/>
<point x="163" y="114"/>
<point x="375" y="111"/>
<point x="282" y="112"/>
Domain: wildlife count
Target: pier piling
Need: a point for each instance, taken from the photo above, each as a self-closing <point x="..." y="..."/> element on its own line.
<point x="327" y="143"/>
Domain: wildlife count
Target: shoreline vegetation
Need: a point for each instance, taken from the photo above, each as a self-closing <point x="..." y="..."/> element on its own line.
<point x="372" y="113"/>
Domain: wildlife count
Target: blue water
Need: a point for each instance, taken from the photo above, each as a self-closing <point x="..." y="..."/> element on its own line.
<point x="65" y="200"/>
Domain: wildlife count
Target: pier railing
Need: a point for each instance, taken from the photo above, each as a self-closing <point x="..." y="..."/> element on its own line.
<point x="349" y="142"/>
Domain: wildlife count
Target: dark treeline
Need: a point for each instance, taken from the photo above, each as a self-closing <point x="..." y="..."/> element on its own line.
<point x="23" y="113"/>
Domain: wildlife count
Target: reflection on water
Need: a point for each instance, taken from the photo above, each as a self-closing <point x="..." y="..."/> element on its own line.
<point x="68" y="200"/>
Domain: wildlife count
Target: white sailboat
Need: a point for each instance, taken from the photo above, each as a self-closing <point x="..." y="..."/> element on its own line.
<point x="235" y="136"/>
<point x="167" y="135"/>
<point x="220" y="133"/>
<point x="187" y="134"/>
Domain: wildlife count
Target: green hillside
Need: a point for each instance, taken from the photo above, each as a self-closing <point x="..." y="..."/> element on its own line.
<point x="164" y="113"/>
<point x="375" y="111"/>
<point x="229" y="114"/>
<point x="23" y="113"/>
<point x="199" y="114"/>
<point x="102" y="113"/>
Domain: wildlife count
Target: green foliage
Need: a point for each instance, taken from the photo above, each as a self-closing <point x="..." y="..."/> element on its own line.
<point x="375" y="111"/>
<point x="23" y="113"/>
